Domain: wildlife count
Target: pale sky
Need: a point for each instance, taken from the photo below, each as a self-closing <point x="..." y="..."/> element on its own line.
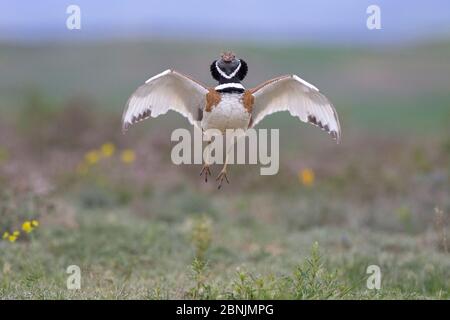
<point x="322" y="21"/>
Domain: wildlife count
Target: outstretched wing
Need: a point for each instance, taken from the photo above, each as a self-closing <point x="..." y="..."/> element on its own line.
<point x="301" y="99"/>
<point x="169" y="90"/>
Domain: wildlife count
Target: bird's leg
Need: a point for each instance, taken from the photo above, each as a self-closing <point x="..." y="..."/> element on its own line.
<point x="205" y="168"/>
<point x="223" y="173"/>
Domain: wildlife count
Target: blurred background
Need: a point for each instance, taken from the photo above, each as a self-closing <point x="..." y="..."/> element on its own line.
<point x="116" y="205"/>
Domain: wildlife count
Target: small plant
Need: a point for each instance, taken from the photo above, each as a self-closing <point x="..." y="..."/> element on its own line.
<point x="243" y="287"/>
<point x="249" y="286"/>
<point x="201" y="239"/>
<point x="312" y="280"/>
<point x="201" y="289"/>
<point x="27" y="227"/>
<point x="11" y="237"/>
<point x="19" y="214"/>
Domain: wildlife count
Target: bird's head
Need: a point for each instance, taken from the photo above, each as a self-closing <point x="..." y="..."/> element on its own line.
<point x="229" y="69"/>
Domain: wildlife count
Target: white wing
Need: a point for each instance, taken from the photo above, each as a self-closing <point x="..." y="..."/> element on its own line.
<point x="169" y="90"/>
<point x="301" y="99"/>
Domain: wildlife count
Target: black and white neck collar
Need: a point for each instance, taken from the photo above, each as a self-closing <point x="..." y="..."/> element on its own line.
<point x="230" y="87"/>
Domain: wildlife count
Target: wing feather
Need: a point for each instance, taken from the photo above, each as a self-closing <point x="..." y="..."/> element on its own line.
<point x="300" y="98"/>
<point x="169" y="90"/>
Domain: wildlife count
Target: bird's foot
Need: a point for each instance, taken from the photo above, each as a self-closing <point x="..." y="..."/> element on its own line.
<point x="222" y="175"/>
<point x="206" y="171"/>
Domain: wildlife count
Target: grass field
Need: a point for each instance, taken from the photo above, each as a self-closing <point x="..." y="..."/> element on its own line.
<point x="141" y="227"/>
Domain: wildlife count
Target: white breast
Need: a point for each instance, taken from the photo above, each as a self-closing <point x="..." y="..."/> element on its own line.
<point x="228" y="114"/>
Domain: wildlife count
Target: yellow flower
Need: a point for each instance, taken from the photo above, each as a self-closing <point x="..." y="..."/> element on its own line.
<point x="27" y="227"/>
<point x="306" y="177"/>
<point x="5" y="235"/>
<point x="92" y="157"/>
<point x="107" y="149"/>
<point x="16" y="233"/>
<point x="35" y="223"/>
<point x="128" y="156"/>
<point x="12" y="238"/>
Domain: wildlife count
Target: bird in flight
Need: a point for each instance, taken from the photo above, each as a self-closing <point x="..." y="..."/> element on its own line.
<point x="229" y="105"/>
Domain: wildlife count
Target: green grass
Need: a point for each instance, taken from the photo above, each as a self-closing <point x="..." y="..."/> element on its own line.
<point x="203" y="256"/>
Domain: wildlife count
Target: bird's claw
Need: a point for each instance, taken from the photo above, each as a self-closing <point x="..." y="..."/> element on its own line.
<point x="205" y="170"/>
<point x="222" y="175"/>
